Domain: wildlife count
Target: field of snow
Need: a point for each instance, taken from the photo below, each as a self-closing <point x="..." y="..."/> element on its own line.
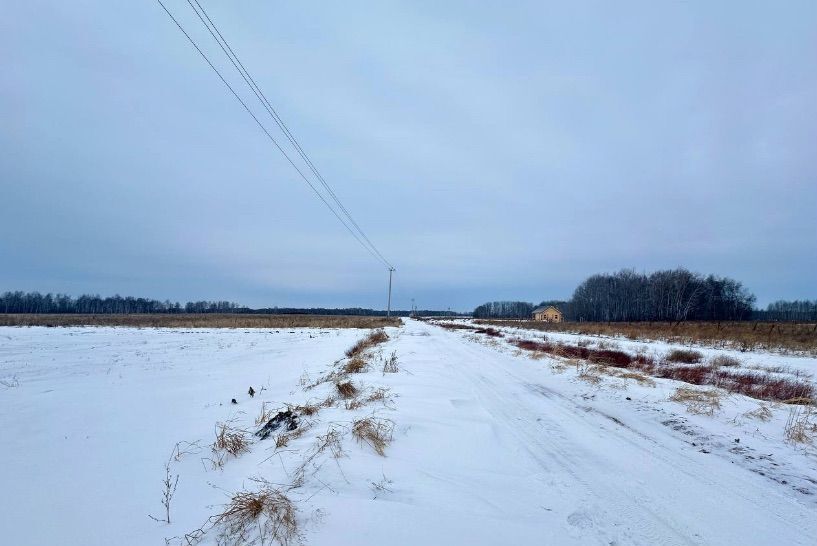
<point x="490" y="446"/>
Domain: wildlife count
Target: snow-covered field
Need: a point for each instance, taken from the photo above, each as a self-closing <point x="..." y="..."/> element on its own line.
<point x="489" y="445"/>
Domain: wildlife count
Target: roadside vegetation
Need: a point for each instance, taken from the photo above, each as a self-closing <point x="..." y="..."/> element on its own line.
<point x="268" y="513"/>
<point x="683" y="365"/>
<point x="744" y="335"/>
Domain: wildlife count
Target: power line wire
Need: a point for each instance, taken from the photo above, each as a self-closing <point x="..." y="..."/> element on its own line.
<point x="256" y="89"/>
<point x="269" y="136"/>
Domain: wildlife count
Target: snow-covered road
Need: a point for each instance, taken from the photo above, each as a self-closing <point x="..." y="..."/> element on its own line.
<point x="490" y="447"/>
<point x="516" y="454"/>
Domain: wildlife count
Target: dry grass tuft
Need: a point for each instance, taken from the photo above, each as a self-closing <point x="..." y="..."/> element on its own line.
<point x="685" y="356"/>
<point x="698" y="402"/>
<point x="724" y="361"/>
<point x="761" y="413"/>
<point x="333" y="441"/>
<point x="799" y="426"/>
<point x="230" y="439"/>
<point x="640" y="378"/>
<point x="311" y="408"/>
<point x="390" y="364"/>
<point x="282" y="440"/>
<point x="375" y="432"/>
<point x="355" y="403"/>
<point x="588" y="372"/>
<point x="375" y="338"/>
<point x="380" y="394"/>
<point x="356" y="365"/>
<point x="346" y="389"/>
<point x="263" y="516"/>
<point x="267" y="412"/>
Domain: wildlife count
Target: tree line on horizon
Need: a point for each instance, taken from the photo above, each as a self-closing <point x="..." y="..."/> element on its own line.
<point x="37" y="303"/>
<point x="668" y="295"/>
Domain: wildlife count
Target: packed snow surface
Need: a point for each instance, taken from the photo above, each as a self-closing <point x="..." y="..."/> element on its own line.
<point x="490" y="446"/>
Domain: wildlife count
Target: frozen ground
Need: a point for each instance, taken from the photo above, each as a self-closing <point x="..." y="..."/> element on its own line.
<point x="490" y="446"/>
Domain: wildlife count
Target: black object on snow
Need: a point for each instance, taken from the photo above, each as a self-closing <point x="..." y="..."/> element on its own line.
<point x="287" y="419"/>
<point x="233" y="401"/>
<point x="251" y="392"/>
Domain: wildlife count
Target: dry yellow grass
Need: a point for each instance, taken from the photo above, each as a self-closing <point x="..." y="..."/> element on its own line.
<point x="701" y="402"/>
<point x="761" y="413"/>
<point x="625" y="374"/>
<point x="356" y="364"/>
<point x="264" y="515"/>
<point x="208" y="320"/>
<point x="230" y="439"/>
<point x="375" y="338"/>
<point x="588" y="372"/>
<point x="346" y="389"/>
<point x="375" y="432"/>
<point x="799" y="426"/>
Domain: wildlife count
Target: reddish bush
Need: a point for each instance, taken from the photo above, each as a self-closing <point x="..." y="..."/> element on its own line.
<point x="528" y="345"/>
<point x="764" y="386"/>
<point x="645" y="363"/>
<point x="619" y="359"/>
<point x="696" y="375"/>
<point x="685" y="356"/>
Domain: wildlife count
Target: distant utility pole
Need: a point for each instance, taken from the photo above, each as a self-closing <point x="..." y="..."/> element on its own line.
<point x="388" y="309"/>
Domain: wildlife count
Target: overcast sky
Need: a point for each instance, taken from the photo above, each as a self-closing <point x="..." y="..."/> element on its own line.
<point x="491" y="150"/>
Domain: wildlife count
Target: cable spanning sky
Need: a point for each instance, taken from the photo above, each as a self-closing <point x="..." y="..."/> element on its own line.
<point x="491" y="151"/>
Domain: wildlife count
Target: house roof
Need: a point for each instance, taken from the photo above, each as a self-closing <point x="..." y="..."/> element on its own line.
<point x="543" y="309"/>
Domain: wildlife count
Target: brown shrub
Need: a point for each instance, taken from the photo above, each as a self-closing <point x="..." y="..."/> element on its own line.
<point x="684" y="356"/>
<point x="375" y="432"/>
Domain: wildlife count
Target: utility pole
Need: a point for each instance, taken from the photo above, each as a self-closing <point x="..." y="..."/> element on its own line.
<point x="388" y="309"/>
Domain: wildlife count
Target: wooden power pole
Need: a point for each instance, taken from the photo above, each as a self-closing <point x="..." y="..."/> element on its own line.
<point x="388" y="309"/>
